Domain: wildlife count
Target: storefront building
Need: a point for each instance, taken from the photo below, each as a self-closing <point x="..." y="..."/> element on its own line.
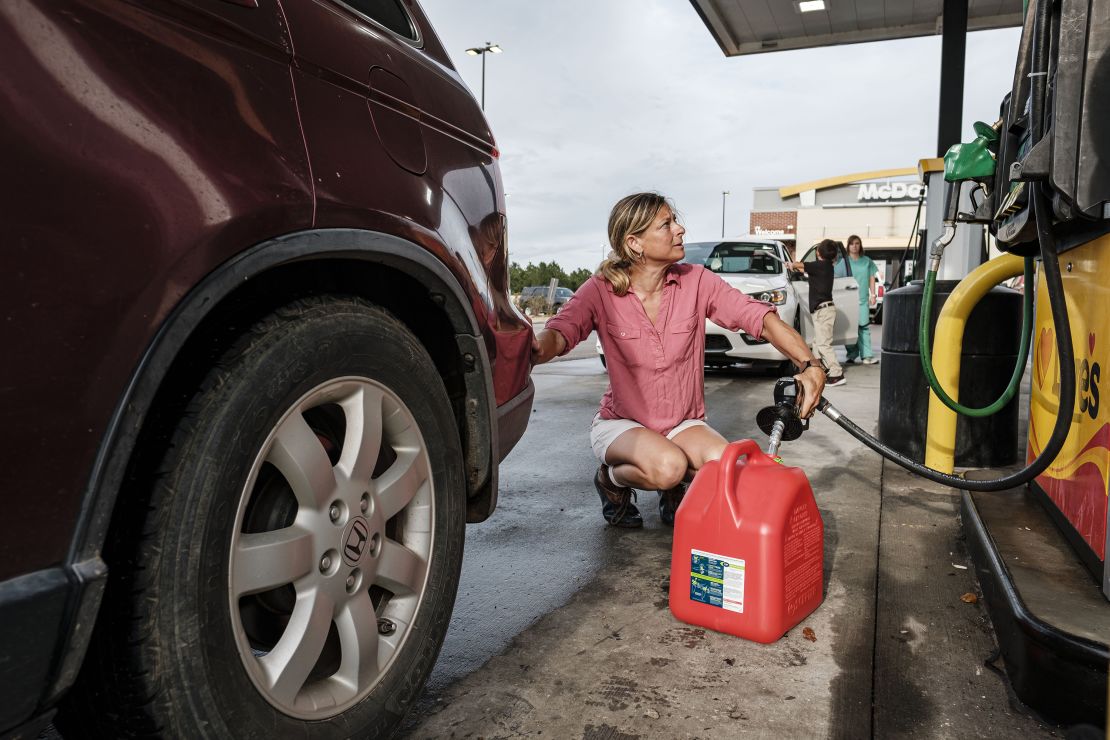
<point x="880" y="206"/>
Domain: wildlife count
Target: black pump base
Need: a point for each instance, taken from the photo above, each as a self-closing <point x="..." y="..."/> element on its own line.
<point x="990" y="345"/>
<point x="1050" y="618"/>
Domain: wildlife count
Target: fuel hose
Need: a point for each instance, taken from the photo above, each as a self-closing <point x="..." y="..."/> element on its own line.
<point x="1054" y="284"/>
<point x="925" y="348"/>
<point x="1066" y="354"/>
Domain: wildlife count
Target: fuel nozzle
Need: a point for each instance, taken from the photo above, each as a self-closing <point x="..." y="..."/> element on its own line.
<point x="951" y="211"/>
<point x="781" y="421"/>
<point x="972" y="162"/>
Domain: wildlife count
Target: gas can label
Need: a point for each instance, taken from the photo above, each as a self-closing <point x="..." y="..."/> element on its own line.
<point x="717" y="580"/>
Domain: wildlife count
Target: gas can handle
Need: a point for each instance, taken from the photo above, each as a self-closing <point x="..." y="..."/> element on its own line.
<point x="729" y="458"/>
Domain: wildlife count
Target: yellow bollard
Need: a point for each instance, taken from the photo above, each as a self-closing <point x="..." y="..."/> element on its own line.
<point x="940" y="433"/>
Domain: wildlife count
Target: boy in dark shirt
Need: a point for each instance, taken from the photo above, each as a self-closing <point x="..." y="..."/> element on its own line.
<point x="821" y="306"/>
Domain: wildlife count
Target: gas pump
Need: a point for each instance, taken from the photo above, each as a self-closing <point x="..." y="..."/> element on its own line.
<point x="1051" y="143"/>
<point x="1041" y="175"/>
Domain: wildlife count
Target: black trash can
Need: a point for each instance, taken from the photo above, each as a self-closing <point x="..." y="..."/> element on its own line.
<point x="990" y="347"/>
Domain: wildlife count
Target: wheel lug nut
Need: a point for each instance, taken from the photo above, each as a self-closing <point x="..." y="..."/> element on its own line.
<point x="354" y="581"/>
<point x="325" y="564"/>
<point x="364" y="504"/>
<point x="333" y="512"/>
<point x="386" y="626"/>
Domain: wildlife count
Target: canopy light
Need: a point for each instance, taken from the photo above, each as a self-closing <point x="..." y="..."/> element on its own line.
<point x="810" y="6"/>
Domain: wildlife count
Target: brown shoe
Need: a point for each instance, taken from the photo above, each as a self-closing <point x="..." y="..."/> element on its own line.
<point x="669" y="501"/>
<point x="616" y="501"/>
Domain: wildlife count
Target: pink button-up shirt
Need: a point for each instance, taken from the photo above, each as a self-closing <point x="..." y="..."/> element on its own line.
<point x="655" y="370"/>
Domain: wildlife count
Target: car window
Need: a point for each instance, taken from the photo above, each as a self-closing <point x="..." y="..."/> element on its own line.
<point x="735" y="258"/>
<point x="843" y="267"/>
<point x="387" y="13"/>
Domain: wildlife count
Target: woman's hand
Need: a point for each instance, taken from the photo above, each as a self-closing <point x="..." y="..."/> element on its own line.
<point x="791" y="344"/>
<point x="547" y="344"/>
<point x="812" y="380"/>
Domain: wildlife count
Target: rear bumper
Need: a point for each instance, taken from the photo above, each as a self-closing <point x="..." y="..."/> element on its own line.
<point x="47" y="619"/>
<point x="32" y="610"/>
<point x="512" y="420"/>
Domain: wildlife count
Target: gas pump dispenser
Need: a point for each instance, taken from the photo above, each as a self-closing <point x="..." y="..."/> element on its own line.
<point x="1052" y="147"/>
<point x="1040" y="178"/>
<point x="1068" y="165"/>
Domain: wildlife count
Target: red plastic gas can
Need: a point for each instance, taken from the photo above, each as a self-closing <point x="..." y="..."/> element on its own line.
<point x="748" y="547"/>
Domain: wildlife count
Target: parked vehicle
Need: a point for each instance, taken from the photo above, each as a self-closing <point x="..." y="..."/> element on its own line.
<point x="759" y="267"/>
<point x="877" y="309"/>
<point x="260" y="363"/>
<point x="540" y="292"/>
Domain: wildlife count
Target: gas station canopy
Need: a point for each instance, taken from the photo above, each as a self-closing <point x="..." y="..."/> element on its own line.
<point x="758" y="26"/>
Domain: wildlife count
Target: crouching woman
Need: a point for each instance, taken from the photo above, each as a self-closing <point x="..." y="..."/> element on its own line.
<point x="650" y="311"/>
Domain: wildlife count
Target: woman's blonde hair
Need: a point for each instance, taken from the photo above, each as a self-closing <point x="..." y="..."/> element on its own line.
<point x="631" y="216"/>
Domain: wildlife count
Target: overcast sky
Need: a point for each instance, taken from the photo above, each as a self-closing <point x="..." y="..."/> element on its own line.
<point x="593" y="100"/>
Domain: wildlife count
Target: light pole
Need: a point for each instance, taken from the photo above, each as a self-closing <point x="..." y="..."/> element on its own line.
<point x="482" y="51"/>
<point x="724" y="196"/>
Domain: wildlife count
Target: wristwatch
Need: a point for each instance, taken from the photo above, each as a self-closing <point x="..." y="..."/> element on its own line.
<point x="819" y="364"/>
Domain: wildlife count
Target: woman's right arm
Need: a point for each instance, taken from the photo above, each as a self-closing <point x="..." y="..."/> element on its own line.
<point x="570" y="326"/>
<point x="547" y="344"/>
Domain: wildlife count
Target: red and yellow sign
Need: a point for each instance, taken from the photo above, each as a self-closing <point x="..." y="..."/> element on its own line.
<point x="1077" y="481"/>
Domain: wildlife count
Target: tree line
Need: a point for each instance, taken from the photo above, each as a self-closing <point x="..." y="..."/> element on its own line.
<point x="541" y="274"/>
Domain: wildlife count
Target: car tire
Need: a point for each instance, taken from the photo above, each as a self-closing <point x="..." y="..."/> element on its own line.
<point x="292" y="564"/>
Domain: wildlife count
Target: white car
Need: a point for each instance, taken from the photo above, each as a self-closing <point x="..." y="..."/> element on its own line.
<point x="759" y="267"/>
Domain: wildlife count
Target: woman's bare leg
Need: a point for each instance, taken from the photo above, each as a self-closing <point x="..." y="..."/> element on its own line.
<point x="647" y="460"/>
<point x="699" y="444"/>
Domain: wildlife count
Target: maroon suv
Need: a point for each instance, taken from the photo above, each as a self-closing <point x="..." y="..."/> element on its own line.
<point x="260" y="363"/>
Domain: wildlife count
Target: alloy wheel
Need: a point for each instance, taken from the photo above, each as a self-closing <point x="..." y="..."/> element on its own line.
<point x="330" y="552"/>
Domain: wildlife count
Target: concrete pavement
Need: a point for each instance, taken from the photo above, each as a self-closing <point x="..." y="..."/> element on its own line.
<point x="562" y="627"/>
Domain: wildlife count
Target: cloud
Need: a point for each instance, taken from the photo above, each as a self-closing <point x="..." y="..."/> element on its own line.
<point x="592" y="101"/>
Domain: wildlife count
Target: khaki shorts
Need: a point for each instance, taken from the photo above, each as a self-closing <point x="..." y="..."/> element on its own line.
<point x="603" y="432"/>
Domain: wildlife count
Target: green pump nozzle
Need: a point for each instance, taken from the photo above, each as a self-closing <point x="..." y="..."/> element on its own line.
<point x="973" y="160"/>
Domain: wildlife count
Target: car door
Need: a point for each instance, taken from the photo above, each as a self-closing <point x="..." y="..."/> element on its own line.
<point x="845" y="297"/>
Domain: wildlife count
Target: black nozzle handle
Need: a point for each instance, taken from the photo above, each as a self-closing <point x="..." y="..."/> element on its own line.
<point x="952" y="200"/>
